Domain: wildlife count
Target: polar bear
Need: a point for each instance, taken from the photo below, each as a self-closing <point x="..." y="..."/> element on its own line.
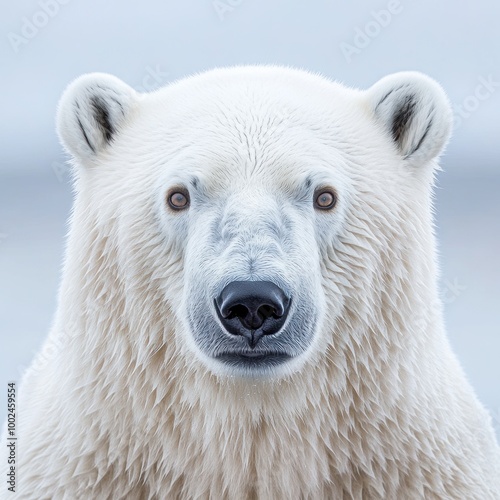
<point x="249" y="304"/>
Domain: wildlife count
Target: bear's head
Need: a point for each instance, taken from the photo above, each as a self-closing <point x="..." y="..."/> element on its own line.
<point x="280" y="218"/>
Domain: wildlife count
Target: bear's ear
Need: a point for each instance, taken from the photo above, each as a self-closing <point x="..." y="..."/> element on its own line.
<point x="91" y="112"/>
<point x="415" y="112"/>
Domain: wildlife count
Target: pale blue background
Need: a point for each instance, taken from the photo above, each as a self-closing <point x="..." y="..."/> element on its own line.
<point x="456" y="43"/>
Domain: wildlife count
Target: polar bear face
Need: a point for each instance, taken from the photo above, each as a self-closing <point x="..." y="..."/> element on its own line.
<point x="247" y="201"/>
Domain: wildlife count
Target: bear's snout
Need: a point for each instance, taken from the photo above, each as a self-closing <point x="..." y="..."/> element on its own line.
<point x="252" y="309"/>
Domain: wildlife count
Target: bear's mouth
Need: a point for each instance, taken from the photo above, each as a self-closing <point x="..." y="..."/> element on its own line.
<point x="257" y="359"/>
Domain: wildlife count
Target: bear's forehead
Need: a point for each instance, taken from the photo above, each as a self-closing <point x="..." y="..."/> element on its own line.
<point x="270" y="125"/>
<point x="263" y="119"/>
<point x="243" y="170"/>
<point x="257" y="102"/>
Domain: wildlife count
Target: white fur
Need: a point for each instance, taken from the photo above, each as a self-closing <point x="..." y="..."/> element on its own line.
<point x="124" y="401"/>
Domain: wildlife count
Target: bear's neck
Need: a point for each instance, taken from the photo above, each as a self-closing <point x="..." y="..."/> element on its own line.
<point x="352" y="418"/>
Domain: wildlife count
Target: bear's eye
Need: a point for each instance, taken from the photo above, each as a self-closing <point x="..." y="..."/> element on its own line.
<point x="178" y="199"/>
<point x="325" y="199"/>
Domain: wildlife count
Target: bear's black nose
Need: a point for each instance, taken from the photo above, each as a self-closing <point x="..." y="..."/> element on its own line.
<point x="252" y="309"/>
